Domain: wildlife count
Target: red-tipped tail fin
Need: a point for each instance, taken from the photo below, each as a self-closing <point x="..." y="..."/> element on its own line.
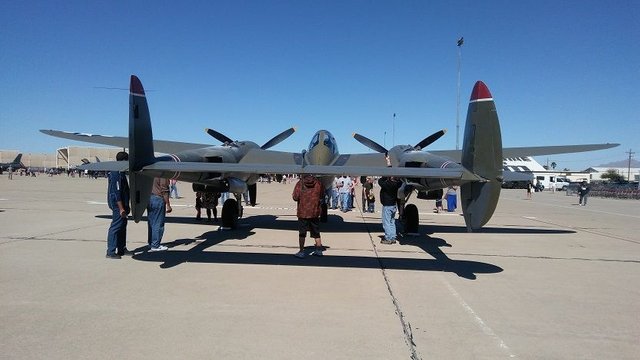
<point x="482" y="155"/>
<point x="136" y="86"/>
<point x="480" y="92"/>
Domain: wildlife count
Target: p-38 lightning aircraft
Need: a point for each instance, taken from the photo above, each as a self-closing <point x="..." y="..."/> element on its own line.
<point x="235" y="166"/>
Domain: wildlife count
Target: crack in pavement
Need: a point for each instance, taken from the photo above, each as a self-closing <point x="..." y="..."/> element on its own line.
<point x="406" y="325"/>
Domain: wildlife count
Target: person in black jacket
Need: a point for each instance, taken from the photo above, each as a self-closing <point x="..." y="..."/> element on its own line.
<point x="388" y="197"/>
<point x="118" y="200"/>
<point x="583" y="191"/>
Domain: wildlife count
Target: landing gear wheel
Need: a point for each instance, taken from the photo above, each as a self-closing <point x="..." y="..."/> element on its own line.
<point x="230" y="214"/>
<point x="411" y="219"/>
<point x="323" y="214"/>
<point x="253" y="191"/>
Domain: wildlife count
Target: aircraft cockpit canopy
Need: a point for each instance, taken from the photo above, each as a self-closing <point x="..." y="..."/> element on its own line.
<point x="327" y="140"/>
<point x="314" y="141"/>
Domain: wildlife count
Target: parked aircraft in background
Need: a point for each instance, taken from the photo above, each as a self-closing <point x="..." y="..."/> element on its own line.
<point x="86" y="161"/>
<point x="235" y="166"/>
<point x="15" y="164"/>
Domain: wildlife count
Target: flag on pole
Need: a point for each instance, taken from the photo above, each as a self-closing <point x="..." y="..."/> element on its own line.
<point x="461" y="41"/>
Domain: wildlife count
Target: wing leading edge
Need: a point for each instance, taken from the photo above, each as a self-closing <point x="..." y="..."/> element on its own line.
<point x="162" y="146"/>
<point x="510" y="152"/>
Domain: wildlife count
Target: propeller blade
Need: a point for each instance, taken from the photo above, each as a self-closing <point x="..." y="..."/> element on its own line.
<point x="278" y="138"/>
<point x="370" y="143"/>
<point x="431" y="138"/>
<point x="218" y="136"/>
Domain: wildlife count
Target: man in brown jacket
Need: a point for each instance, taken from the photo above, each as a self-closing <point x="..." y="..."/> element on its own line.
<point x="159" y="205"/>
<point x="308" y="193"/>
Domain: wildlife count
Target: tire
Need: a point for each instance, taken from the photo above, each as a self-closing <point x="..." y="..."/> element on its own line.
<point x="253" y="192"/>
<point x="411" y="219"/>
<point x="323" y="214"/>
<point x="230" y="214"/>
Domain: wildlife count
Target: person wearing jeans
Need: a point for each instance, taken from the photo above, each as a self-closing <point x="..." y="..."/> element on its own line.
<point x="118" y="201"/>
<point x="388" y="197"/>
<point x="158" y="206"/>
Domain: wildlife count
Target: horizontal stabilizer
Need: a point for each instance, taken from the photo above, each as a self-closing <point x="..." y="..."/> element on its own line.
<point x="435" y="173"/>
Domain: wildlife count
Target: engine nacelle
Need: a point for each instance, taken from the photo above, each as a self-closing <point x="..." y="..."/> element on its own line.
<point x="232" y="185"/>
<point x="431" y="195"/>
<point x="217" y="186"/>
<point x="237" y="186"/>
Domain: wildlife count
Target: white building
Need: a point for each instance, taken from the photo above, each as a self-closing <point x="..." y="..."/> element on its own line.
<point x="540" y="174"/>
<point x="595" y="173"/>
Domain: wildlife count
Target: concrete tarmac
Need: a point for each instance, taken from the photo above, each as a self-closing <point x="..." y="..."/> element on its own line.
<point x="545" y="279"/>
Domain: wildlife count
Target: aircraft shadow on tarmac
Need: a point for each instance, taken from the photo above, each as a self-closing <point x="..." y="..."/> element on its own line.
<point x="337" y="224"/>
<point x="198" y="254"/>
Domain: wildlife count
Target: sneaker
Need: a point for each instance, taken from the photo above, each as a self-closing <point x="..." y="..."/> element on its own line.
<point x="318" y="252"/>
<point x="300" y="255"/>
<point x="387" y="242"/>
<point x="113" y="256"/>
<point x="126" y="252"/>
<point x="159" y="248"/>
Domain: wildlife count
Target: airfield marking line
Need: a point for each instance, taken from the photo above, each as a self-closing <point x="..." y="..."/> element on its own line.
<point x="91" y="202"/>
<point x="406" y="326"/>
<point x="583" y="208"/>
<point x="582" y="229"/>
<point x="478" y="320"/>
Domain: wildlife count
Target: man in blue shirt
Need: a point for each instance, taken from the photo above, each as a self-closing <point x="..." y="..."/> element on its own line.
<point x="118" y="200"/>
<point x="345" y="192"/>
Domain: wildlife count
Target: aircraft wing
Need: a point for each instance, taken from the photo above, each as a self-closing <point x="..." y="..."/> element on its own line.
<point x="510" y="152"/>
<point x="161" y="146"/>
<point x="261" y="168"/>
<point x="360" y="160"/>
<point x="280" y="157"/>
<point x="259" y="156"/>
<point x="550" y="150"/>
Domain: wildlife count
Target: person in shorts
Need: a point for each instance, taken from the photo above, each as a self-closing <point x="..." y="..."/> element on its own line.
<point x="308" y="193"/>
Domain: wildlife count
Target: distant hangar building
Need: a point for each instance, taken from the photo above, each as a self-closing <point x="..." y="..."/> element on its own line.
<point x="72" y="156"/>
<point x="66" y="157"/>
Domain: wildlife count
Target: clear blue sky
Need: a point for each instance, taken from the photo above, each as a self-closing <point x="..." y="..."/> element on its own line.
<point x="561" y="72"/>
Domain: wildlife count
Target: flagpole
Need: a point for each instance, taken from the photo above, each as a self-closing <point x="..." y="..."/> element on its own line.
<point x="460" y="42"/>
<point x="393" y="131"/>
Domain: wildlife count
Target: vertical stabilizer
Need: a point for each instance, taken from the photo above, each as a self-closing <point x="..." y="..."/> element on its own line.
<point x="17" y="160"/>
<point x="482" y="155"/>
<point x="140" y="148"/>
